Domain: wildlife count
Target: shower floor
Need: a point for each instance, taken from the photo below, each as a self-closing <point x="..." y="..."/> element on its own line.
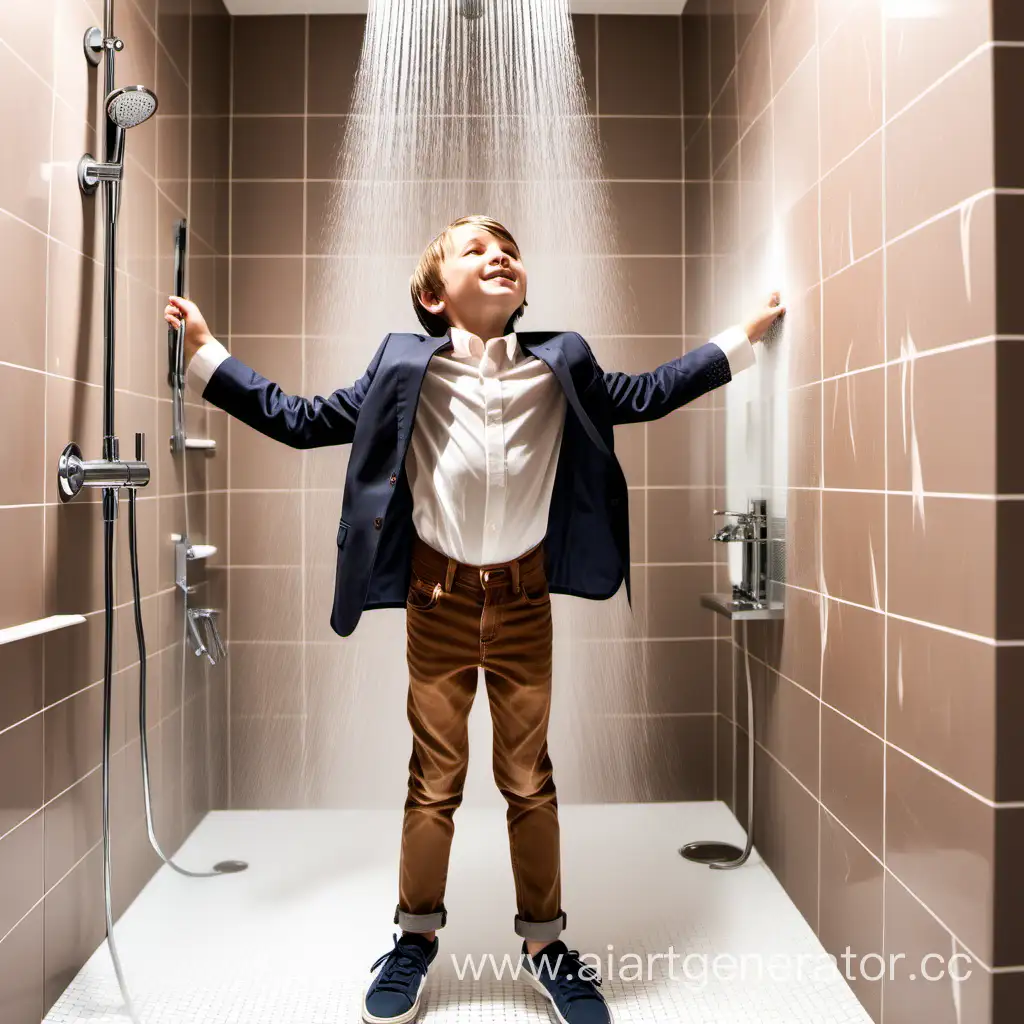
<point x="291" y="940"/>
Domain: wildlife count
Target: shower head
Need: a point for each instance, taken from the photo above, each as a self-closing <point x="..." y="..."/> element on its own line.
<point x="471" y="9"/>
<point x="130" y="105"/>
<point x="126" y="107"/>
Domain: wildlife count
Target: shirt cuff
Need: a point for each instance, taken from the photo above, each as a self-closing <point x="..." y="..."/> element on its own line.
<point x="202" y="365"/>
<point x="737" y="348"/>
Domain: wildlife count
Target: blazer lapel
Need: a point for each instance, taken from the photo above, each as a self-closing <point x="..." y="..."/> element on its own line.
<point x="552" y="354"/>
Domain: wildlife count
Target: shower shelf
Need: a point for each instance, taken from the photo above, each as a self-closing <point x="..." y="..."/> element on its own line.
<point x="196" y="551"/>
<point x="202" y="443"/>
<point x="47" y="625"/>
<point x="731" y="609"/>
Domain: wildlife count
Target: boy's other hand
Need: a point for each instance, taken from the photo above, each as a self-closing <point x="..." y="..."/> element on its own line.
<point x="758" y="324"/>
<point x="197" y="333"/>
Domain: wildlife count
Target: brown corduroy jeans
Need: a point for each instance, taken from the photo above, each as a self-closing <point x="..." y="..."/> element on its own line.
<point x="459" y="617"/>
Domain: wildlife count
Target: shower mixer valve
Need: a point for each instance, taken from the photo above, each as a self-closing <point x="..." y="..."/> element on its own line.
<point x="110" y="472"/>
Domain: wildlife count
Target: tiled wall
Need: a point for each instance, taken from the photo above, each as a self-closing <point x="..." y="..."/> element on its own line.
<point x="51" y="356"/>
<point x="870" y="150"/>
<point x="293" y="742"/>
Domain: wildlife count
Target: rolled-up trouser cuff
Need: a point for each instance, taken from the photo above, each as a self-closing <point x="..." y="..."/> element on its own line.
<point x="538" y="931"/>
<point x="421" y="922"/>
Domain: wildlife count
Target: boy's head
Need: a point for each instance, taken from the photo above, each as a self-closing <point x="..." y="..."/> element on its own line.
<point x="471" y="273"/>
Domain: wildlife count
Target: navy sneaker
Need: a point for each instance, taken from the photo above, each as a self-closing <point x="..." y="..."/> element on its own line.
<point x="570" y="985"/>
<point x="394" y="995"/>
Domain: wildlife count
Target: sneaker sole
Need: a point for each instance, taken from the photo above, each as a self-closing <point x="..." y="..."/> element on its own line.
<point x="402" y="1018"/>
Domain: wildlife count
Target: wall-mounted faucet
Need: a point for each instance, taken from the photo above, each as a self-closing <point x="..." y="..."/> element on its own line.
<point x="212" y="646"/>
<point x="750" y="529"/>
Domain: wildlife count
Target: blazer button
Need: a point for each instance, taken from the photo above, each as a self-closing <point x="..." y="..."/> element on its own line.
<point x="377" y="522"/>
<point x="394" y="477"/>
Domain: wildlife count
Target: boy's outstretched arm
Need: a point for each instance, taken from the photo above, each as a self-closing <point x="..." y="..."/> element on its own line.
<point x="641" y="397"/>
<point x="243" y="393"/>
<point x="229" y="384"/>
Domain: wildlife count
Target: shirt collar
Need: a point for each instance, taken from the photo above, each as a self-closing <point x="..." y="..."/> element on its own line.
<point x="463" y="340"/>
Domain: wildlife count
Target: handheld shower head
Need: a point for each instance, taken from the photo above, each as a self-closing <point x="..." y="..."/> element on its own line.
<point x="130" y="105"/>
<point x="126" y="107"/>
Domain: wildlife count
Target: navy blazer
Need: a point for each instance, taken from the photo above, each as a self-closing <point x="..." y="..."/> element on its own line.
<point x="587" y="539"/>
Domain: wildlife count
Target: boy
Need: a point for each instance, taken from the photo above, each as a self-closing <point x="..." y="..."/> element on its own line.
<point x="482" y="479"/>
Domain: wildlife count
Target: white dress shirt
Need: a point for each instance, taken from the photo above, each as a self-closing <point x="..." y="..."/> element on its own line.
<point x="484" y="446"/>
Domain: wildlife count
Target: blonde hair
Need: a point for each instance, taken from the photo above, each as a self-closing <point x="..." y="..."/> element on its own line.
<point x="427" y="277"/>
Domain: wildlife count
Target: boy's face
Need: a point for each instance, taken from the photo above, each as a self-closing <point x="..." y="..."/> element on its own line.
<point x="484" y="278"/>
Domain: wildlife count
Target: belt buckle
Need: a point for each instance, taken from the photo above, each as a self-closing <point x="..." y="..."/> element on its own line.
<point x="486" y="574"/>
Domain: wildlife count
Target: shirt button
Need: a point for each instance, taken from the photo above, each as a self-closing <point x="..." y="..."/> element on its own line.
<point x="400" y="435"/>
<point x="394" y="477"/>
<point x="377" y="522"/>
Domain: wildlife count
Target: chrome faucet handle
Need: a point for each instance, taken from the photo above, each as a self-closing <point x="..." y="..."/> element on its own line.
<point x="743" y="517"/>
<point x="209" y="617"/>
<point x="191" y="615"/>
<point x="209" y="650"/>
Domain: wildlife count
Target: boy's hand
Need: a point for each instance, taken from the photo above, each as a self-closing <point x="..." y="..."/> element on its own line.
<point x="197" y="333"/>
<point x="758" y="324"/>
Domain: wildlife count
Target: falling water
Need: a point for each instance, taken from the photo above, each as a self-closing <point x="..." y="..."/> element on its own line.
<point x="453" y="115"/>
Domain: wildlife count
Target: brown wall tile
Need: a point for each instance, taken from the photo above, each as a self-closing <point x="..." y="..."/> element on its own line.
<point x="21" y="973"/>
<point x="916" y="144"/>
<point x="920" y="50"/>
<point x="853" y="668"/>
<point x="786" y="822"/>
<point x="796" y="136"/>
<point x="943" y="569"/>
<point x="854" y="318"/>
<point x="1010" y="545"/>
<point x="851" y="85"/>
<point x="629" y="86"/>
<point x="792" y="25"/>
<point x="851" y="208"/>
<point x="913" y="934"/>
<point x="851" y="777"/>
<point x="933" y="832"/>
<point x="753" y="72"/>
<point x="722" y="47"/>
<point x="853" y="443"/>
<point x="278" y="41"/>
<point x="253" y="279"/>
<point x="853" y="546"/>
<point x="942" y="702"/>
<point x="851" y="905"/>
<point x="1009" y="377"/>
<point x="269" y="147"/>
<point x="953" y="257"/>
<point x="696" y="57"/>
<point x="1009" y="214"/>
<point x="946" y="430"/>
<point x="584" y="28"/>
<point x="641" y="147"/>
<point x="785" y="724"/>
